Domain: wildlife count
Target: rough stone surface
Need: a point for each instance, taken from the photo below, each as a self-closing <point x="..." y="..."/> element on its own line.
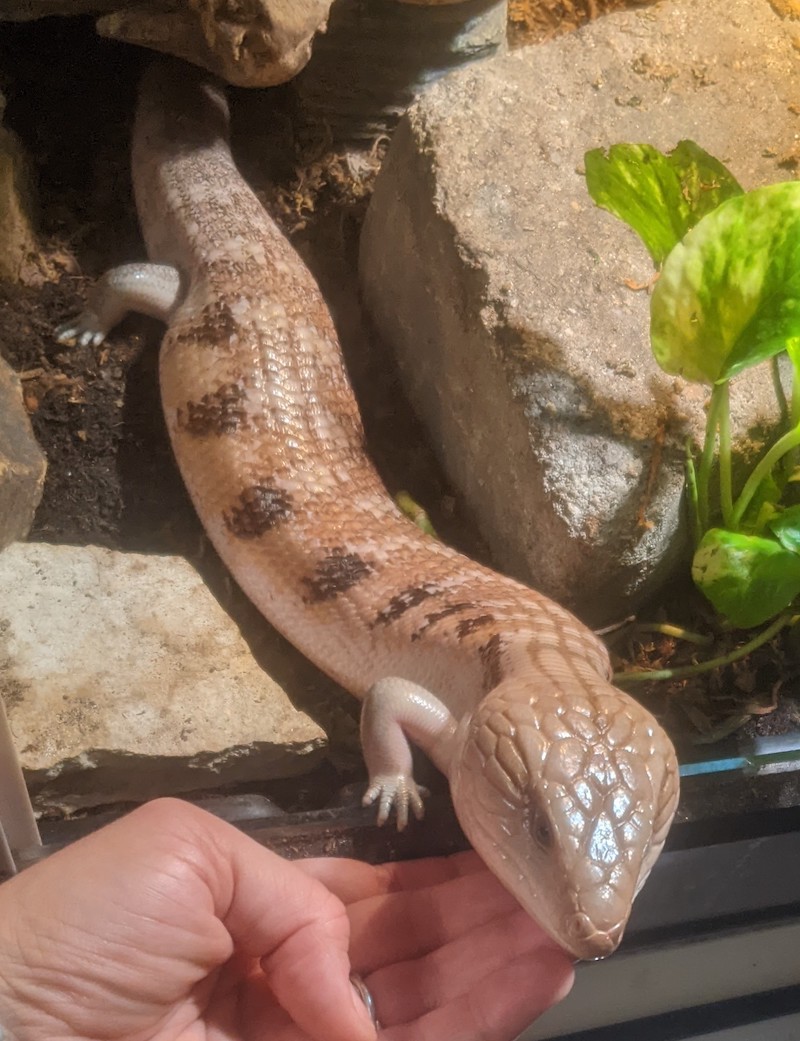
<point x="503" y="289"/>
<point x="250" y="43"/>
<point x="124" y="679"/>
<point x="22" y="463"/>
<point x="375" y="59"/>
<point x="17" y="234"/>
<point x="30" y="10"/>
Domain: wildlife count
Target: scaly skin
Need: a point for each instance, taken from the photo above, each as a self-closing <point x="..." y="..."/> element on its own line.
<point x="565" y="785"/>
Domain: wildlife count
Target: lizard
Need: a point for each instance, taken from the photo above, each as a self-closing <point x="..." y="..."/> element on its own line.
<point x="564" y="784"/>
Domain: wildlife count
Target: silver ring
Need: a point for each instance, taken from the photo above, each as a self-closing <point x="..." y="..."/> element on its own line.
<point x="369" y="1002"/>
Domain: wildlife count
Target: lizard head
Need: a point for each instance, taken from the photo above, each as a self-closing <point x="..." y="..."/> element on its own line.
<point x="566" y="787"/>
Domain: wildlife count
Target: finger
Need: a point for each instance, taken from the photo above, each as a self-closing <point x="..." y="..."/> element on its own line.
<point x="254" y="1013"/>
<point x="290" y="922"/>
<point x="500" y="1008"/>
<point x="409" y="990"/>
<point x="354" y="880"/>
<point x="418" y="874"/>
<point x="397" y="926"/>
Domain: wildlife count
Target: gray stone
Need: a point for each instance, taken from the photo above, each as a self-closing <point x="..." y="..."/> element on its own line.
<point x="22" y="463"/>
<point x="502" y="288"/>
<point x="250" y="43"/>
<point x="375" y="58"/>
<point x="17" y="203"/>
<point x="124" y="679"/>
<point x="30" y="10"/>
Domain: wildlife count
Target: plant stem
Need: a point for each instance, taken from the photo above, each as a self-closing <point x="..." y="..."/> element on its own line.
<point x="788" y="420"/>
<point x="777" y="386"/>
<point x="415" y="513"/>
<point x="684" y="671"/>
<point x="794" y="419"/>
<point x="691" y="492"/>
<point x="669" y="629"/>
<point x="725" y="479"/>
<point x="707" y="458"/>
<point x="762" y="470"/>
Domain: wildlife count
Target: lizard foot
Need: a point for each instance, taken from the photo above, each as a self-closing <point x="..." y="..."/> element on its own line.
<point x="85" y="330"/>
<point x="396" y="790"/>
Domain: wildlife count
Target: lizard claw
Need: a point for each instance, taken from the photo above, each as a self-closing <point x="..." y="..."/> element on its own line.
<point x="85" y="330"/>
<point x="396" y="790"/>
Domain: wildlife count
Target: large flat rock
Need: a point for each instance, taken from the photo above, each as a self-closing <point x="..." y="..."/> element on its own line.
<point x="18" y="241"/>
<point x="503" y="289"/>
<point x="22" y="462"/>
<point x="124" y="679"/>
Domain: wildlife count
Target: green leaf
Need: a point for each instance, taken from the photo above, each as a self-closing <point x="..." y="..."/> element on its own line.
<point x="729" y="294"/>
<point x="762" y="506"/>
<point x="760" y="520"/>
<point x="747" y="578"/>
<point x="659" y="196"/>
<point x="705" y="182"/>
<point x="786" y="527"/>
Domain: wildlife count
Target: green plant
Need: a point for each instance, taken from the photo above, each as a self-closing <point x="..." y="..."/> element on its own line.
<point x="727" y="298"/>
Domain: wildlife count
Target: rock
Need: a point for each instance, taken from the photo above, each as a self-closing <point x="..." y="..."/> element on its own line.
<point x="30" y="10"/>
<point x="17" y="235"/>
<point x="375" y="58"/>
<point x="124" y="679"/>
<point x="22" y="463"/>
<point x="250" y="43"/>
<point x="502" y="288"/>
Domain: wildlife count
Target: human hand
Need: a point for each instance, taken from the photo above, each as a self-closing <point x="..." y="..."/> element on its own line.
<point x="170" y="925"/>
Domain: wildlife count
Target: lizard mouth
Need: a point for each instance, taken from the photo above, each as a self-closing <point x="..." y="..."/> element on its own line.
<point x="589" y="943"/>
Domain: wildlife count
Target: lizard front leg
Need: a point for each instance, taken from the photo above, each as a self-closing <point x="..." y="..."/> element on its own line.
<point x="395" y="712"/>
<point x="151" y="289"/>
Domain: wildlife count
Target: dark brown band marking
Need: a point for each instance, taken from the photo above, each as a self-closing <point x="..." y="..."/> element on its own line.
<point x="491" y="654"/>
<point x="350" y="420"/>
<point x="258" y="509"/>
<point x="337" y="572"/>
<point x="471" y="625"/>
<point x="404" y="601"/>
<point x="220" y="412"/>
<point x="437" y="616"/>
<point x="213" y="327"/>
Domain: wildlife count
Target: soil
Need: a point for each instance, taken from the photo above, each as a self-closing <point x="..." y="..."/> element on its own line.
<point x="532" y="21"/>
<point x="111" y="478"/>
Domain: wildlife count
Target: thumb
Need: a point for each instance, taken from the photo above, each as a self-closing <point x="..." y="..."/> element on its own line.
<point x="310" y="978"/>
<point x="295" y="927"/>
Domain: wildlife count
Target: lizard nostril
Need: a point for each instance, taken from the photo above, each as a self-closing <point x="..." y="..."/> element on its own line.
<point x="543" y="834"/>
<point x="580" y="926"/>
